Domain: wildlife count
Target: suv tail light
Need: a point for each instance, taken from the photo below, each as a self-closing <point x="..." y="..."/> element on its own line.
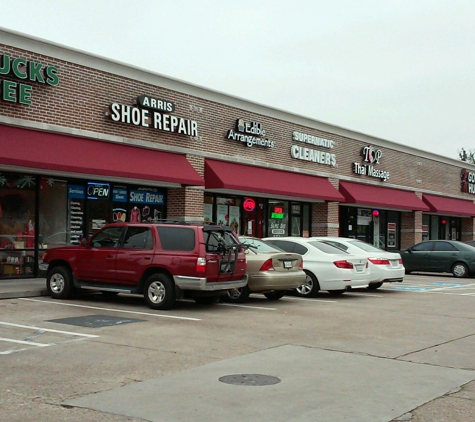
<point x="379" y="261"/>
<point x="201" y="265"/>
<point x="343" y="264"/>
<point x="267" y="266"/>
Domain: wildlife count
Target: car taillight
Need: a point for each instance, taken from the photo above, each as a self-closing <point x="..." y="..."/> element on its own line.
<point x="379" y="261"/>
<point x="343" y="264"/>
<point x="267" y="266"/>
<point x="201" y="265"/>
<point x="301" y="265"/>
<point x="400" y="261"/>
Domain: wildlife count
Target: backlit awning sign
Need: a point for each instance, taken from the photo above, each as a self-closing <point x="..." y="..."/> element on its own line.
<point x="249" y="205"/>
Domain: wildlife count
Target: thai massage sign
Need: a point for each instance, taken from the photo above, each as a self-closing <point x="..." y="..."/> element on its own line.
<point x="468" y="181"/>
<point x="371" y="157"/>
<point x="250" y="134"/>
<point x="150" y="112"/>
<point x="25" y="71"/>
<point x="304" y="152"/>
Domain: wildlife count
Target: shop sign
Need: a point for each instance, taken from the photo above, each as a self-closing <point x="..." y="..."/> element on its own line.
<point x="76" y="191"/>
<point x="25" y="70"/>
<point x="250" y="134"/>
<point x="371" y="156"/>
<point x="468" y="181"/>
<point x="305" y="153"/>
<point x="249" y="205"/>
<point x="150" y="112"/>
<point x="119" y="195"/>
<point x="98" y="190"/>
<point x="144" y="197"/>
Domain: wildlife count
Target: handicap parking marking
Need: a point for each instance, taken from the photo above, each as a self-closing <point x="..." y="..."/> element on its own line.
<point x="111" y="309"/>
<point x="436" y="287"/>
<point x="38" y="332"/>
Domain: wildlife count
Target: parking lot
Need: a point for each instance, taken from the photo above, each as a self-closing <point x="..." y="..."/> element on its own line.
<point x="405" y="350"/>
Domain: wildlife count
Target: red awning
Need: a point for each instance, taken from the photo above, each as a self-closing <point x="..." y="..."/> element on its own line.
<point x="49" y="151"/>
<point x="449" y="206"/>
<point x="376" y="196"/>
<point x="244" y="179"/>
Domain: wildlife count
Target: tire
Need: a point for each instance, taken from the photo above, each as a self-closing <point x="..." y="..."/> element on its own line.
<point x="159" y="292"/>
<point x="59" y="282"/>
<point x="336" y="292"/>
<point x="374" y="286"/>
<point x="279" y="294"/>
<point x="460" y="270"/>
<point x="239" y="295"/>
<point x="310" y="287"/>
<point x="206" y="300"/>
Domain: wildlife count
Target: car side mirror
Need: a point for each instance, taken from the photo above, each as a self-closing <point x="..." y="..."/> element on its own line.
<point x="83" y="241"/>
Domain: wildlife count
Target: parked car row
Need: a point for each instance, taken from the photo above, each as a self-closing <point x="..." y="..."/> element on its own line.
<point x="166" y="261"/>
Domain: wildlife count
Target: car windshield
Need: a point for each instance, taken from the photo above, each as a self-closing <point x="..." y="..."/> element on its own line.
<point x="325" y="247"/>
<point x="257" y="245"/>
<point x="365" y="246"/>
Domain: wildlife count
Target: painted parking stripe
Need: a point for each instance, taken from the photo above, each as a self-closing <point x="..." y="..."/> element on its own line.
<point x="111" y="310"/>
<point x="29" y="343"/>
<point x="31" y="327"/>
<point x="236" y="305"/>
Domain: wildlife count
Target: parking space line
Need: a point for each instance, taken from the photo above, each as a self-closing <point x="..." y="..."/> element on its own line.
<point x="246" y="306"/>
<point x="30" y="327"/>
<point x="311" y="299"/>
<point x="29" y="343"/>
<point x="112" y="310"/>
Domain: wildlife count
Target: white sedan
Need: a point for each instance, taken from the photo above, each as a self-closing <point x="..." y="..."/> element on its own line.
<point x="327" y="267"/>
<point x="385" y="267"/>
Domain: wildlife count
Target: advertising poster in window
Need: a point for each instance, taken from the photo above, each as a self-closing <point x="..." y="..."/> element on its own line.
<point x="146" y="204"/>
<point x="76" y="195"/>
<point x="207" y="213"/>
<point x="278" y="219"/>
<point x="234" y="218"/>
<point x="222" y="215"/>
<point x="425" y="232"/>
<point x="392" y="239"/>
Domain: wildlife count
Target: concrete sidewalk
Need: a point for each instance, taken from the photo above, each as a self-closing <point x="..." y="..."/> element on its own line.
<point x="23" y="287"/>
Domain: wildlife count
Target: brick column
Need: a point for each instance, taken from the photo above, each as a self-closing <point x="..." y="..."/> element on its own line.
<point x="325" y="219"/>
<point x="411" y="228"/>
<point x="186" y="203"/>
<point x="468" y="229"/>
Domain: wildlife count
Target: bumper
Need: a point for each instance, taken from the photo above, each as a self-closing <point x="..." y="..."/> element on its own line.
<point x="199" y="283"/>
<point x="340" y="284"/>
<point x="275" y="281"/>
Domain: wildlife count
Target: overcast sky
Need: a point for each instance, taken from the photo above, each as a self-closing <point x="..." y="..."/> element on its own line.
<point x="400" y="70"/>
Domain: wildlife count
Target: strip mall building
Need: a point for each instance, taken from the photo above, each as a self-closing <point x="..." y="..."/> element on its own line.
<point x="86" y="141"/>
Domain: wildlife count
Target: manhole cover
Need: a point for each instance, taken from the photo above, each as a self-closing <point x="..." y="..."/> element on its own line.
<point x="249" y="379"/>
<point x="95" y="321"/>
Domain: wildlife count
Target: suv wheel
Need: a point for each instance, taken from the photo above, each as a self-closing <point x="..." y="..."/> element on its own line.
<point x="239" y="295"/>
<point x="159" y="292"/>
<point x="59" y="282"/>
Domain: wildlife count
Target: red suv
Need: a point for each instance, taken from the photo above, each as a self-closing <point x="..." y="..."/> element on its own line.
<point x="163" y="261"/>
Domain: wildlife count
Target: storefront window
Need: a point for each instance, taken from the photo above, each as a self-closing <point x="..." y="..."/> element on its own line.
<point x="228" y="212"/>
<point x="53" y="213"/>
<point x="17" y="223"/>
<point x="278" y="218"/>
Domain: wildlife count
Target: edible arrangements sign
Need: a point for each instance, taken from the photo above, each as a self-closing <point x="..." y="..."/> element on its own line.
<point x="25" y="71"/>
<point x="153" y="113"/>
<point x="371" y="157"/>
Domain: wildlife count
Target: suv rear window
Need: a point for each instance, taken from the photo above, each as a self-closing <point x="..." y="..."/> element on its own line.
<point x="176" y="238"/>
<point x="214" y="238"/>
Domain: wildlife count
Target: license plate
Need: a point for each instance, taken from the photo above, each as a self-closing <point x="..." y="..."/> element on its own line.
<point x="359" y="268"/>
<point x="287" y="264"/>
<point x="394" y="262"/>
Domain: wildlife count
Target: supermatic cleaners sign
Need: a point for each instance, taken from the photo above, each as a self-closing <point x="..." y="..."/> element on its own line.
<point x="304" y="152"/>
<point x="151" y="112"/>
<point x="371" y="156"/>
